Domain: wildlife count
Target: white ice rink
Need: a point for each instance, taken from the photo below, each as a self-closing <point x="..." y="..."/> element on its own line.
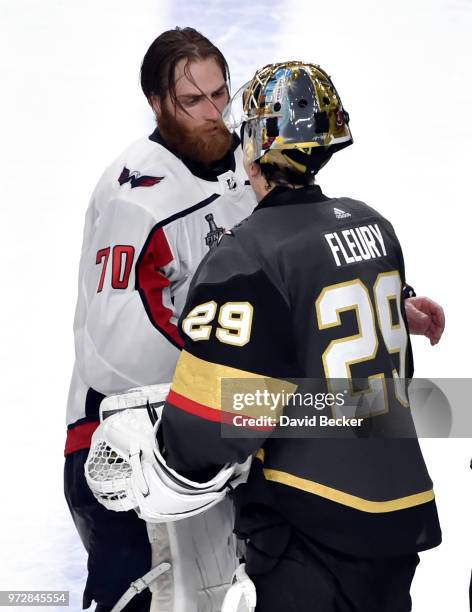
<point x="70" y="102"/>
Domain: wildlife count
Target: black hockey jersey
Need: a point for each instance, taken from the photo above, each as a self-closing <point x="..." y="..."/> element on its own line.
<point x="305" y="293"/>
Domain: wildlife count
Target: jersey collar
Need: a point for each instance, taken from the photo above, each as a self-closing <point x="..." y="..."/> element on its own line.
<point x="207" y="173"/>
<point x="281" y="196"/>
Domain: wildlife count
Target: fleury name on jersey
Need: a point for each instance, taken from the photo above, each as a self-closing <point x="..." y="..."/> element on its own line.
<point x="359" y="243"/>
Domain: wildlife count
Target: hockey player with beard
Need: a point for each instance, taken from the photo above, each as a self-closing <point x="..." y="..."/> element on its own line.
<point x="153" y="215"/>
<point x="308" y="287"/>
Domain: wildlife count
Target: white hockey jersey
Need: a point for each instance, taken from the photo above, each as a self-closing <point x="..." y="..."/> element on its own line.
<point x="151" y="219"/>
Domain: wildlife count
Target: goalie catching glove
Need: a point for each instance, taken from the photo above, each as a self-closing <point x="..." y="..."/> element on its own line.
<point x="125" y="468"/>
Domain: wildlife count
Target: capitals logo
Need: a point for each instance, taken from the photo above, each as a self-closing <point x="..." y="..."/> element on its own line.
<point x="136" y="180"/>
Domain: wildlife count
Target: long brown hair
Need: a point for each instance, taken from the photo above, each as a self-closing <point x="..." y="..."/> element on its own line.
<point x="158" y="67"/>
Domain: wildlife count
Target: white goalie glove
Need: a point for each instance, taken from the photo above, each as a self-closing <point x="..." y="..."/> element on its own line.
<point x="125" y="468"/>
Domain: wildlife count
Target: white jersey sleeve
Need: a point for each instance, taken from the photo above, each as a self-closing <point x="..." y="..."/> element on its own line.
<point x="125" y="327"/>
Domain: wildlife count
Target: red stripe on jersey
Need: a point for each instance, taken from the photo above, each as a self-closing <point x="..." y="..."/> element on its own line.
<point x="80" y="437"/>
<point x="204" y="412"/>
<point x="152" y="283"/>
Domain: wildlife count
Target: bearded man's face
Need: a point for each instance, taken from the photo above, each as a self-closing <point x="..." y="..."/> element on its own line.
<point x="192" y="125"/>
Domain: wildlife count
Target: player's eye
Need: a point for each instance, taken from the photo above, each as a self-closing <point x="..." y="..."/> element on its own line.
<point x="190" y="101"/>
<point x="220" y="93"/>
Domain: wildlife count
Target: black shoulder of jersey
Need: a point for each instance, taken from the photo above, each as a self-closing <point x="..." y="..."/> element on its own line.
<point x="228" y="259"/>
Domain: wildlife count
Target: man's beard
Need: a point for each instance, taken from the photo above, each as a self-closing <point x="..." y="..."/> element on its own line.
<point x="206" y="144"/>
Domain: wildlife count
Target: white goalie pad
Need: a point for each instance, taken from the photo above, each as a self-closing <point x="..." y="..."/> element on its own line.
<point x="193" y="561"/>
<point x="202" y="554"/>
<point x="125" y="468"/>
<point x="241" y="596"/>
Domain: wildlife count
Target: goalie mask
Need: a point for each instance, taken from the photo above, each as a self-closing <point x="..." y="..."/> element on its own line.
<point x="290" y="114"/>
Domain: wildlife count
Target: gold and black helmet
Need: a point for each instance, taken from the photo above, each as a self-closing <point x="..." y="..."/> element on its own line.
<point x="286" y="112"/>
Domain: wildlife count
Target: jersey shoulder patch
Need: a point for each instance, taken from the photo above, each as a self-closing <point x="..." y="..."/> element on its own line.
<point x="149" y="176"/>
<point x="136" y="179"/>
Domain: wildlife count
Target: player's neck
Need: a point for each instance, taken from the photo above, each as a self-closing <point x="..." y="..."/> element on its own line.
<point x="263" y="187"/>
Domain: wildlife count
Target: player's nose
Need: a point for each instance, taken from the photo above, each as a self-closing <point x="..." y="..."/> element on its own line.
<point x="211" y="111"/>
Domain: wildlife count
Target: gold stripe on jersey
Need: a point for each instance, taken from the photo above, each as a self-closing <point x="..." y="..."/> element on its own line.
<point x="346" y="499"/>
<point x="201" y="381"/>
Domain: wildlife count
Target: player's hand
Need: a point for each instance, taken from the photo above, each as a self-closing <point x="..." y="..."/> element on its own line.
<point x="425" y="318"/>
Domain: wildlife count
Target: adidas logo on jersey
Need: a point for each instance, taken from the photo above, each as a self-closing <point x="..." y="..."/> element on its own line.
<point x="231" y="183"/>
<point x="341" y="214"/>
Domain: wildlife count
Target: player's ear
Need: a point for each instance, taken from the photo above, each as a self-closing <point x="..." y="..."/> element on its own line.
<point x="253" y="170"/>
